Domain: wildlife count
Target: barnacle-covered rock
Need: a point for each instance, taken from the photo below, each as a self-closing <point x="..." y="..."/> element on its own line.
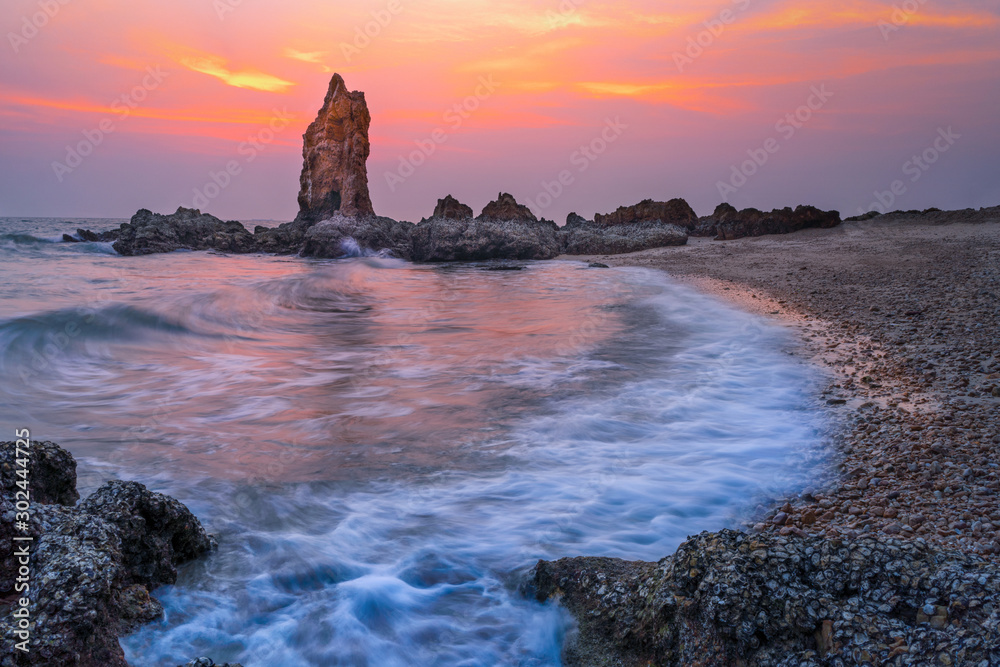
<point x="92" y="567"/>
<point x="729" y="598"/>
<point x="51" y="473"/>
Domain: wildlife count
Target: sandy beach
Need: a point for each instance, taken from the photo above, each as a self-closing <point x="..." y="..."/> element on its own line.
<point x="904" y="315"/>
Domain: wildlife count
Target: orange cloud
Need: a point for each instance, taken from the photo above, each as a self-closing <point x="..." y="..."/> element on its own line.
<point x="253" y="79"/>
<point x="314" y="57"/>
<point x="796" y="15"/>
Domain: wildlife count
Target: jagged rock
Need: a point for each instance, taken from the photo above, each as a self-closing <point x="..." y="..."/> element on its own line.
<point x="936" y="216"/>
<point x="862" y="218"/>
<point x="334" y="154"/>
<point x="208" y="662"/>
<point x="504" y="230"/>
<point x="156" y="531"/>
<point x="675" y="211"/>
<point x="729" y="598"/>
<point x="590" y="238"/>
<point x="506" y="208"/>
<point x="85" y="235"/>
<point x="726" y="223"/>
<point x="446" y="240"/>
<point x="285" y="239"/>
<point x="187" y="229"/>
<point x="92" y="568"/>
<point x="51" y="472"/>
<point x="451" y="208"/>
<point x="648" y="224"/>
<point x="333" y="237"/>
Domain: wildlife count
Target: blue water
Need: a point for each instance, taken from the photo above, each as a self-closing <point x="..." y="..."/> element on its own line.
<point x="384" y="449"/>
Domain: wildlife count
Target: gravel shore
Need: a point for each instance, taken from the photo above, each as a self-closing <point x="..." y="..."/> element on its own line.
<point x="903" y="310"/>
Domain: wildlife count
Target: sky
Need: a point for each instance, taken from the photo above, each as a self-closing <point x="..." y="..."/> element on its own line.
<point x="109" y="106"/>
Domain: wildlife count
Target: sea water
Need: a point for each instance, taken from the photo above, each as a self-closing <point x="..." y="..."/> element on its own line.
<point x="384" y="449"/>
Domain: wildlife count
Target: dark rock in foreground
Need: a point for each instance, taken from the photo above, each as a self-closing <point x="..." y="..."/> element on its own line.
<point x="727" y="224"/>
<point x="451" y="208"/>
<point x="335" y="151"/>
<point x="208" y="662"/>
<point x="187" y="229"/>
<point x="583" y="237"/>
<point x="729" y="598"/>
<point x="333" y="238"/>
<point x="53" y="473"/>
<point x="91" y="567"/>
<point x="518" y="236"/>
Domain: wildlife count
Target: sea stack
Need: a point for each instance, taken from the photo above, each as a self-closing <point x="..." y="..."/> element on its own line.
<point x="334" y="154"/>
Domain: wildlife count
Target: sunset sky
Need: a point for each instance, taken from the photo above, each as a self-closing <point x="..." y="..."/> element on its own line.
<point x="668" y="96"/>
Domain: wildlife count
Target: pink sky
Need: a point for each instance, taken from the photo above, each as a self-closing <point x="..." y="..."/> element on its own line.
<point x="661" y="115"/>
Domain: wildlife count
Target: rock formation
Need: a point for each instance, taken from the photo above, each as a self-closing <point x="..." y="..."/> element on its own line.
<point x="334" y="154"/>
<point x="187" y="229"/>
<point x="729" y="598"/>
<point x="506" y="208"/>
<point x="444" y="240"/>
<point x="648" y="224"/>
<point x="452" y="209"/>
<point x="92" y="566"/>
<point x="504" y="230"/>
<point x="584" y="237"/>
<point x="333" y="238"/>
<point x="726" y="223"/>
<point x="935" y="216"/>
<point x="675" y="211"/>
<point x="85" y="235"/>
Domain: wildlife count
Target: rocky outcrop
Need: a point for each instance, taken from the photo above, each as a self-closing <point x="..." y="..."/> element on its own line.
<point x="87" y="236"/>
<point x="935" y="216"/>
<point x="92" y="567"/>
<point x="53" y="473"/>
<point x="445" y="240"/>
<point x="208" y="662"/>
<point x="730" y="598"/>
<point x="334" y="155"/>
<point x="675" y="211"/>
<point x="505" y="207"/>
<point x="515" y="234"/>
<point x="187" y="229"/>
<point x="452" y="209"/>
<point x="342" y="236"/>
<point x="726" y="223"/>
<point x="584" y="237"/>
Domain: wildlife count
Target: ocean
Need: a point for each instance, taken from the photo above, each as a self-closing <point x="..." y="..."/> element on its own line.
<point x="384" y="449"/>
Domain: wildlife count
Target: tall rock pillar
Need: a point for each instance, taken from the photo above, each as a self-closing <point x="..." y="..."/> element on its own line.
<point x="334" y="154"/>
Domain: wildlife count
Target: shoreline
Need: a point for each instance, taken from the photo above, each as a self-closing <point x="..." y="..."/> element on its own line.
<point x="917" y="454"/>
